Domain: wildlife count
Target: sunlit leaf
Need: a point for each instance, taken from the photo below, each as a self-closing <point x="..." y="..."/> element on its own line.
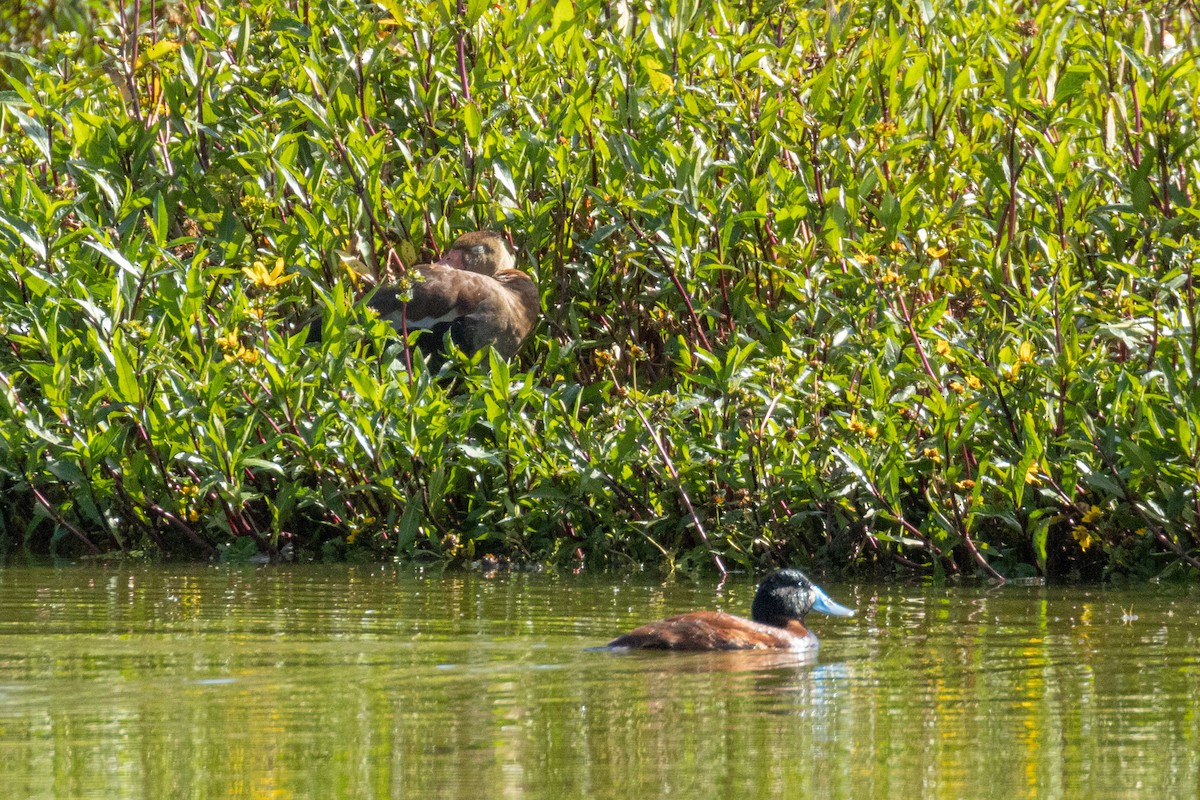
<point x="34" y="130"/>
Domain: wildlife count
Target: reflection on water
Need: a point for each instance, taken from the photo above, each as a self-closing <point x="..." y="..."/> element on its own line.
<point x="345" y="682"/>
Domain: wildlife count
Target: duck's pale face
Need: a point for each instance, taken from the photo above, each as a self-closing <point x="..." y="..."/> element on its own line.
<point x="484" y="252"/>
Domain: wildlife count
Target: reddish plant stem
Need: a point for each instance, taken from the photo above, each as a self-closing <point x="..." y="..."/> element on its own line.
<point x="674" y="275"/>
<point x="462" y="52"/>
<point x="683" y="495"/>
<point x="916" y="340"/>
<point x="60" y="520"/>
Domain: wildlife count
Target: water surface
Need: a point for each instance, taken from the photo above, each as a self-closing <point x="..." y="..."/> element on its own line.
<point x="377" y="683"/>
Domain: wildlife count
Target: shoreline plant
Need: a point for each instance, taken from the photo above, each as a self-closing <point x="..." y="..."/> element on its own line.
<point x="906" y="288"/>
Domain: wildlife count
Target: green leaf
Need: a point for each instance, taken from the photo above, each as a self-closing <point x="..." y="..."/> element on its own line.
<point x="243" y="38"/>
<point x="409" y="527"/>
<point x="34" y="130"/>
<point x="659" y="81"/>
<point x="123" y="263"/>
<point x="26" y="232"/>
<point x="263" y="465"/>
<point x="563" y="16"/>
<point x="504" y="177"/>
<point x="160" y="220"/>
<point x="1071" y="83"/>
<point x="128" y="389"/>
<point x="156" y="52"/>
<point x="472" y="120"/>
<point x="477" y="453"/>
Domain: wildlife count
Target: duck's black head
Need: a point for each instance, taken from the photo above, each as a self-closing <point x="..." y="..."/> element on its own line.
<point x="788" y="594"/>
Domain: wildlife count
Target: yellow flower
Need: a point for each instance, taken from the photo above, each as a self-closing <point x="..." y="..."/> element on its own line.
<point x="230" y="341"/>
<point x="942" y="347"/>
<point x="936" y="252"/>
<point x="891" y="276"/>
<point x="884" y="129"/>
<point x="973" y="382"/>
<point x="872" y="431"/>
<point x="1025" y="353"/>
<point x="243" y="354"/>
<point x="193" y="515"/>
<point x="965" y="484"/>
<point x="896" y="246"/>
<point x="1091" y="515"/>
<point x="1031" y="475"/>
<point x="956" y="387"/>
<point x="932" y="454"/>
<point x="257" y="273"/>
<point x="1083" y="536"/>
<point x="868" y="258"/>
<point x="603" y="358"/>
<point x="857" y="426"/>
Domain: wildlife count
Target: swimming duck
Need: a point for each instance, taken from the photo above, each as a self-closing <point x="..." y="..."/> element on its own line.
<point x="780" y="605"/>
<point x="474" y="292"/>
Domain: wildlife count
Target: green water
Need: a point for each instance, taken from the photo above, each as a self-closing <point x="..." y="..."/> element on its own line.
<point x="375" y="683"/>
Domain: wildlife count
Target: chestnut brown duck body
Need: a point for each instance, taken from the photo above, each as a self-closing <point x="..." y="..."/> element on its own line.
<point x="782" y="601"/>
<point x="474" y="293"/>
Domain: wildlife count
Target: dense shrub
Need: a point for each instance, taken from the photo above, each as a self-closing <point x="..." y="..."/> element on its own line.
<point x="910" y="285"/>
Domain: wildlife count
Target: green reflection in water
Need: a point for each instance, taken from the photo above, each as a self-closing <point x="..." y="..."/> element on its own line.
<point x="344" y="682"/>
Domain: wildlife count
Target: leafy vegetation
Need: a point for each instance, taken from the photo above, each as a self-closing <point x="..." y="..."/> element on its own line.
<point x="890" y="284"/>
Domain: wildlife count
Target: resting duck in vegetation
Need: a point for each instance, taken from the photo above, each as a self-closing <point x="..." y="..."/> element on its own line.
<point x="474" y="293"/>
<point x="780" y="604"/>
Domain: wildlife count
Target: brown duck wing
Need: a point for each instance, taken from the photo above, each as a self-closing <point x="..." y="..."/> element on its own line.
<point x="510" y="314"/>
<point x="443" y="295"/>
<point x="706" y="630"/>
<point x="478" y="310"/>
<point x="443" y="300"/>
